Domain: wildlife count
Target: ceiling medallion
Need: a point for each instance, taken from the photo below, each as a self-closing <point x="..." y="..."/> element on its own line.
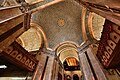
<point x="61" y="22"/>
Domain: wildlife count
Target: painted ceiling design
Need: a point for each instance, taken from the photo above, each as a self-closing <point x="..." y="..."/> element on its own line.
<point x="69" y="12"/>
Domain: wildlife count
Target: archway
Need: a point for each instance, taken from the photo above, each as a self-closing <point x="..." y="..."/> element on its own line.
<point x="66" y="50"/>
<point x="75" y="77"/>
<point x="33" y="39"/>
<point x="67" y="54"/>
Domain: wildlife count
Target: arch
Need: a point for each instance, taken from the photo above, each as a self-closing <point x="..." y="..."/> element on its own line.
<point x="91" y="27"/>
<point x="66" y="49"/>
<point x="68" y="53"/>
<point x="64" y="43"/>
<point x="75" y="77"/>
<point x="40" y="30"/>
<point x="34" y="33"/>
<point x="84" y="34"/>
<point x="88" y="31"/>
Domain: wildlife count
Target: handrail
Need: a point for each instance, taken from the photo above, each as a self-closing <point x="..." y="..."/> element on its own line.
<point x="8" y="19"/>
<point x="10" y="7"/>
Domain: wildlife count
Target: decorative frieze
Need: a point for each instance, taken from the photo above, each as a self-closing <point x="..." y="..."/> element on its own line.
<point x="20" y="56"/>
<point x="108" y="50"/>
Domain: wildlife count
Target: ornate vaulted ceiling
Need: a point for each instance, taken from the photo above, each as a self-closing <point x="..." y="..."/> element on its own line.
<point x="61" y="22"/>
